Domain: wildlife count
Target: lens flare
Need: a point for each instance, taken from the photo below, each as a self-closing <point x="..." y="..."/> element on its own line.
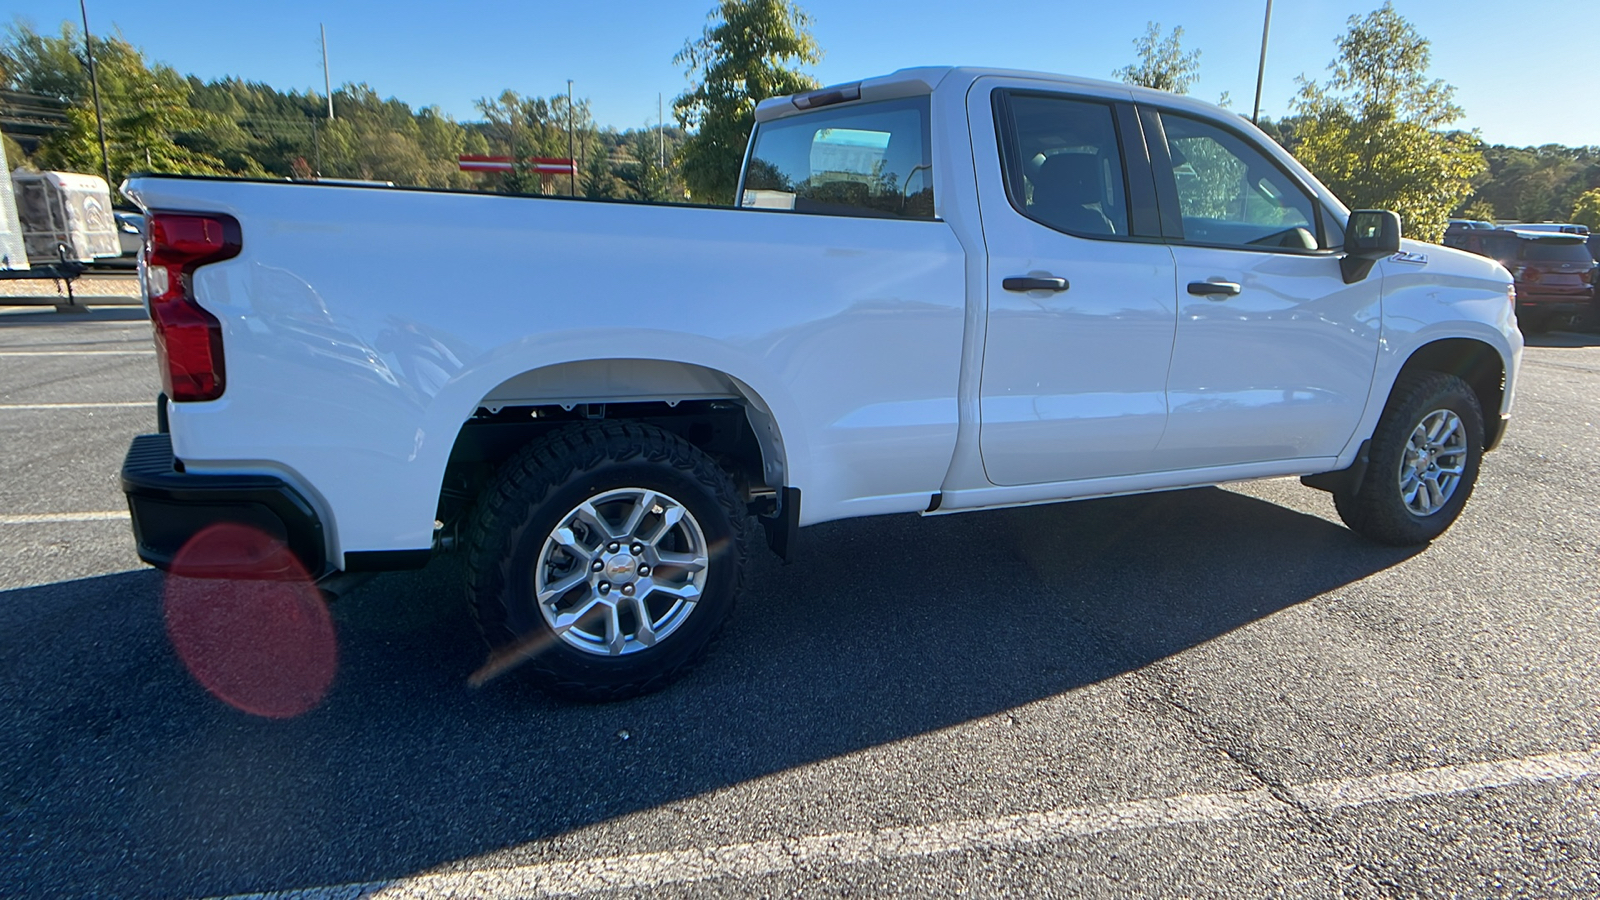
<point x="253" y="629"/>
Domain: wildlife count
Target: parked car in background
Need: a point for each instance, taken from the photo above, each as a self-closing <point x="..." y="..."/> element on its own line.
<point x="1458" y="226"/>
<point x="130" y="233"/>
<point x="1559" y="227"/>
<point x="1554" y="271"/>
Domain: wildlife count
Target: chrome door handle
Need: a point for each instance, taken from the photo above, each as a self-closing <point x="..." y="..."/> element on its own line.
<point x="1216" y="290"/>
<point x="1031" y="283"/>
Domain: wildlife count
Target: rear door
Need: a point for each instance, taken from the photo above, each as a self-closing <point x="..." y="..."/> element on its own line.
<point x="1274" y="353"/>
<point x="1080" y="287"/>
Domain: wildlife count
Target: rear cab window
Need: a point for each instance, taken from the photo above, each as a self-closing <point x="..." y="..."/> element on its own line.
<point x="868" y="159"/>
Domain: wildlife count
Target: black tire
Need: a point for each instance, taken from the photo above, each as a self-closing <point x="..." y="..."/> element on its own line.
<point x="535" y="491"/>
<point x="1377" y="509"/>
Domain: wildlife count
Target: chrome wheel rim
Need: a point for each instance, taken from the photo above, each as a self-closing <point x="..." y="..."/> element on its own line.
<point x="621" y="571"/>
<point x="1433" y="462"/>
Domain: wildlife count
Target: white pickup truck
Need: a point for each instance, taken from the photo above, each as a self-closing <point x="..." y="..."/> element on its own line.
<point x="945" y="289"/>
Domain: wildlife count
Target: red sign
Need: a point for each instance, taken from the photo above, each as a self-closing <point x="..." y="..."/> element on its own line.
<point x="540" y="164"/>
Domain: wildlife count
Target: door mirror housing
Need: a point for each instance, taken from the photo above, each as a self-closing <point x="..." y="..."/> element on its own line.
<point x="1371" y="235"/>
<point x="1372" y="232"/>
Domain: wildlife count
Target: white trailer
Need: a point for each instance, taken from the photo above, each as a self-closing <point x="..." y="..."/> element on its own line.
<point x="65" y="216"/>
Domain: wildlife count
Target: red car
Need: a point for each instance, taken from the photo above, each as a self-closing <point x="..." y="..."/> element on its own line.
<point x="1555" y="273"/>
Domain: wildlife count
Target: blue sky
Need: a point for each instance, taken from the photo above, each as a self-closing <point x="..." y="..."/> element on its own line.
<point x="619" y="53"/>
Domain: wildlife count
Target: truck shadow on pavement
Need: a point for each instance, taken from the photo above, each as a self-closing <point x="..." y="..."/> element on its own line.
<point x="124" y="778"/>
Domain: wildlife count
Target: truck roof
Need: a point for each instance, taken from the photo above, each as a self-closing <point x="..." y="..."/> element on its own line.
<point x="925" y="79"/>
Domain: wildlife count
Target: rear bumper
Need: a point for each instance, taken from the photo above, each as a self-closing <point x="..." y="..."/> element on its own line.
<point x="169" y="507"/>
<point x="1564" y="301"/>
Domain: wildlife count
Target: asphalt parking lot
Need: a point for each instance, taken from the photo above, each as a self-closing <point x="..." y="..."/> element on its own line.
<point x="1216" y="692"/>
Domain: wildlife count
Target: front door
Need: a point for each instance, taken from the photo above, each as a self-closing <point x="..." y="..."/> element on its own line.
<point x="1275" y="353"/>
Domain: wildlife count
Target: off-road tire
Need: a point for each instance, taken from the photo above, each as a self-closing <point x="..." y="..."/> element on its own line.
<point x="539" y="485"/>
<point x="1375" y="508"/>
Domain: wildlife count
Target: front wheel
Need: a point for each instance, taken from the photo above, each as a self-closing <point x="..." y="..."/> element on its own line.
<point x="605" y="560"/>
<point x="1422" y="462"/>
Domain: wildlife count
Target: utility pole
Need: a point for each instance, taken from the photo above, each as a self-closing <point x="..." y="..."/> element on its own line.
<point x="327" y="81"/>
<point x="94" y="84"/>
<point x="316" y="147"/>
<point x="661" y="134"/>
<point x="572" y="155"/>
<point x="1261" y="71"/>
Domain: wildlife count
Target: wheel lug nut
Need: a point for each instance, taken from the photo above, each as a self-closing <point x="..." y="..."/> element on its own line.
<point x="605" y="587"/>
<point x="637" y="549"/>
<point x="644" y="571"/>
<point x="613" y="547"/>
<point x="627" y="590"/>
<point x="597" y="565"/>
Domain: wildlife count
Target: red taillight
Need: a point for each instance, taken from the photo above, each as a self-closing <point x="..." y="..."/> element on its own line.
<point x="1530" y="274"/>
<point x="188" y="338"/>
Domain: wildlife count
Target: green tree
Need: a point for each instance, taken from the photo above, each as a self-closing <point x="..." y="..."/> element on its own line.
<point x="14" y="152"/>
<point x="1162" y="63"/>
<point x="1373" y="134"/>
<point x="1478" y="210"/>
<point x="645" y="176"/>
<point x="745" y="55"/>
<point x="1537" y="184"/>
<point x="523" y="127"/>
<point x="1587" y="210"/>
<point x="146" y="106"/>
<point x="45" y="64"/>
<point x="288" y="134"/>
<point x="600" y="180"/>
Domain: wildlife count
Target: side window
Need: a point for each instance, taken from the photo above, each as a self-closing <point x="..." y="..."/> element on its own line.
<point x="861" y="160"/>
<point x="1232" y="194"/>
<point x="1064" y="165"/>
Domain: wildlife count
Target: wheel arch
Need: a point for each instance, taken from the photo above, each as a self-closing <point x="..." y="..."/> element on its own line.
<point x="1477" y="363"/>
<point x="712" y="409"/>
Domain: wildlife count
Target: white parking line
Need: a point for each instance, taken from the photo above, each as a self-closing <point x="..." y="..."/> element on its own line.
<point x="77" y="353"/>
<point x="117" y="404"/>
<point x="57" y="518"/>
<point x="643" y="872"/>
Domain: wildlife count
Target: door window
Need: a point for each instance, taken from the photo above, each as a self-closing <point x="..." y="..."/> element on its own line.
<point x="1064" y="165"/>
<point x="1231" y="194"/>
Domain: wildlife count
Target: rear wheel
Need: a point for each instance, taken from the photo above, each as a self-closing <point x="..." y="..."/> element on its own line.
<point x="605" y="560"/>
<point x="1422" y="462"/>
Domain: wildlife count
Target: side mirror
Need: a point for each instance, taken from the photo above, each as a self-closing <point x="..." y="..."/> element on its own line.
<point x="1371" y="235"/>
<point x="1372" y="232"/>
